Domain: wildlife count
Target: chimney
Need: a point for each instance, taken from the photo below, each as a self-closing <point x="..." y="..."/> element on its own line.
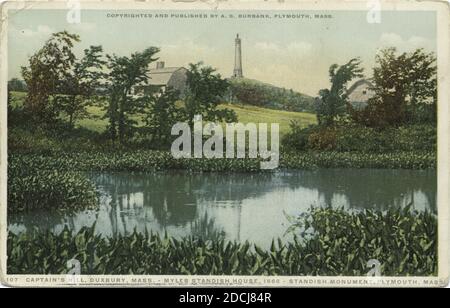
<point x="160" y="64"/>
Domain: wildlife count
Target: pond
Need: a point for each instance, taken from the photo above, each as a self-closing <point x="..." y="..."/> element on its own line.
<point x="238" y="206"/>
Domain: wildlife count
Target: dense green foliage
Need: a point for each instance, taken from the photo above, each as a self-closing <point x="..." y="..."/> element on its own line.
<point x="36" y="140"/>
<point x="404" y="242"/>
<point x="125" y="73"/>
<point x="162" y="113"/>
<point x="32" y="187"/>
<point x="148" y="161"/>
<point x="79" y="84"/>
<point x="405" y="88"/>
<point x="252" y="92"/>
<point x="326" y="242"/>
<point x="395" y="160"/>
<point x="400" y="117"/>
<point x="358" y="138"/>
<point x="206" y="89"/>
<point x="47" y="68"/>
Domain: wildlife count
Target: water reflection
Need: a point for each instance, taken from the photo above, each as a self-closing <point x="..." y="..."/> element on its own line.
<point x="237" y="206"/>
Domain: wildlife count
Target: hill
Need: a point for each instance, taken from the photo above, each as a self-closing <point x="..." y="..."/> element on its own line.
<point x="257" y="93"/>
<point x="245" y="113"/>
<point x="254" y="114"/>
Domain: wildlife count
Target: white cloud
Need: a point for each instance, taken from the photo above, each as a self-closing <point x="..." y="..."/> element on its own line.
<point x="299" y="48"/>
<point x="302" y="48"/>
<point x="188" y="51"/>
<point x="412" y="43"/>
<point x="187" y="46"/>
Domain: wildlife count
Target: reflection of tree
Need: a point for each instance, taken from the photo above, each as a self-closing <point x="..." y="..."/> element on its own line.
<point x="236" y="186"/>
<point x="169" y="196"/>
<point x="364" y="188"/>
<point x="204" y="228"/>
<point x="37" y="218"/>
<point x="115" y="211"/>
<point x="173" y="196"/>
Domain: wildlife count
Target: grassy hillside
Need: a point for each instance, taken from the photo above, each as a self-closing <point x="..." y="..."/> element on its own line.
<point x="257" y="93"/>
<point x="245" y="113"/>
<point x="248" y="113"/>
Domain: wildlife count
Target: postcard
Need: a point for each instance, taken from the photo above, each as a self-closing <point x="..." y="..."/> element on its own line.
<point x="225" y="144"/>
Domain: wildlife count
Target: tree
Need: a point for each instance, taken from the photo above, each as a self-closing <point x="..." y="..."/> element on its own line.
<point x="46" y="69"/>
<point x="162" y="114"/>
<point x="405" y="88"/>
<point x="205" y="91"/>
<point x="332" y="102"/>
<point x="79" y="84"/>
<point x="402" y="83"/>
<point x="124" y="74"/>
<point x="250" y="93"/>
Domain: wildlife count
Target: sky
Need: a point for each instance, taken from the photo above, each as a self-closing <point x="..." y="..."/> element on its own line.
<point x="291" y="53"/>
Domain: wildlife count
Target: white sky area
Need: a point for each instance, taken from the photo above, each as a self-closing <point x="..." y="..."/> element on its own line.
<point x="291" y="53"/>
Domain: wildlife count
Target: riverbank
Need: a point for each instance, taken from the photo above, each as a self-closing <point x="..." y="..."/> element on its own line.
<point x="403" y="241"/>
<point x="149" y="160"/>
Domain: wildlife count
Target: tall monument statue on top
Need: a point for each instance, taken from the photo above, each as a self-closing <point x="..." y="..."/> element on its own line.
<point x="237" y="73"/>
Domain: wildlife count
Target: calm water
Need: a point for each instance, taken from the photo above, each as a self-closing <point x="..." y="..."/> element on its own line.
<point x="238" y="206"/>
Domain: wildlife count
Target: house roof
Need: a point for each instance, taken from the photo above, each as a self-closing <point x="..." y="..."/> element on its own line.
<point x="161" y="76"/>
<point x="357" y="84"/>
<point x="357" y="95"/>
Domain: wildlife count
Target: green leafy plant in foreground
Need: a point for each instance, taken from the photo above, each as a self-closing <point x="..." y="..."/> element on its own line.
<point x="326" y="241"/>
<point x="32" y="187"/>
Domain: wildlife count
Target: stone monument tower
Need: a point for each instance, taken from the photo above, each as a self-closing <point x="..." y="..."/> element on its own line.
<point x="237" y="73"/>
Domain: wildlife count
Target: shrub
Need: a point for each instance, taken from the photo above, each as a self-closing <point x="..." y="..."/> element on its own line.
<point x="50" y="141"/>
<point x="405" y="138"/>
<point x="297" y="138"/>
<point x="357" y="138"/>
<point x="394" y="160"/>
<point x="416" y="137"/>
<point x="24" y="141"/>
<point x="324" y="139"/>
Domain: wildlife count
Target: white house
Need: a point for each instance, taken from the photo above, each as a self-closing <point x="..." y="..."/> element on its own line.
<point x="161" y="78"/>
<point x="359" y="93"/>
